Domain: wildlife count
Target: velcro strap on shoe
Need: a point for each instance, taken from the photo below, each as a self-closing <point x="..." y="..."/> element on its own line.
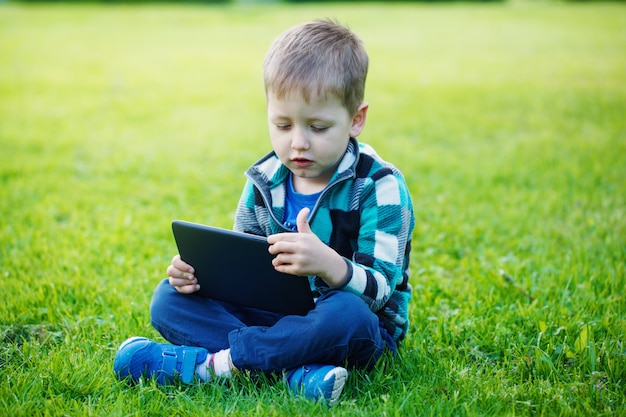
<point x="188" y="369"/>
<point x="168" y="369"/>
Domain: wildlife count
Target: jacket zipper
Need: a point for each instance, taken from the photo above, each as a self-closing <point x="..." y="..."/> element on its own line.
<point x="262" y="187"/>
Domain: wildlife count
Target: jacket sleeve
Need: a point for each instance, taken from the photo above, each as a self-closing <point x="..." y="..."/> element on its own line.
<point x="379" y="264"/>
<point x="245" y="217"/>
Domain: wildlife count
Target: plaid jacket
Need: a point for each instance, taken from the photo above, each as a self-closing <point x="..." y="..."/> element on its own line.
<point x="365" y="214"/>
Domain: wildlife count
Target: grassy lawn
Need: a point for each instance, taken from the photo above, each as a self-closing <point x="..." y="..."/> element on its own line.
<point x="508" y="121"/>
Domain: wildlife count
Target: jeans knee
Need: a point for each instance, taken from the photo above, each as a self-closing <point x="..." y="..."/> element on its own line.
<point x="161" y="301"/>
<point x="349" y="314"/>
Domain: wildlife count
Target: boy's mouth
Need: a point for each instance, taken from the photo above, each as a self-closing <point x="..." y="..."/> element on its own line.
<point x="301" y="162"/>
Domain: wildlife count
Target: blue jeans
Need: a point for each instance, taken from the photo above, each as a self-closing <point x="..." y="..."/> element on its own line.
<point x="340" y="330"/>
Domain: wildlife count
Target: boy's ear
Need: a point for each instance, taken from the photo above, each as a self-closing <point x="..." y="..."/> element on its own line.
<point x="358" y="121"/>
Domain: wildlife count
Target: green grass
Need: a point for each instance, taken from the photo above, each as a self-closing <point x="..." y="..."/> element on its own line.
<point x="507" y="120"/>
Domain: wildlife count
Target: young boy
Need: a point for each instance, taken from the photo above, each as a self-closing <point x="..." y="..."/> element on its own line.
<point x="331" y="209"/>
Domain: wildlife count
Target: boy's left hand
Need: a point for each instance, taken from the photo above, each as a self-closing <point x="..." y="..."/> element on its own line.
<point x="304" y="254"/>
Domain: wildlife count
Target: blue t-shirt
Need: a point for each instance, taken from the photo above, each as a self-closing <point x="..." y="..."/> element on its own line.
<point x="294" y="202"/>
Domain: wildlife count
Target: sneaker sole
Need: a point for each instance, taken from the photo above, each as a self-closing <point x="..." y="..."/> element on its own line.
<point x="340" y="375"/>
<point x="129" y="341"/>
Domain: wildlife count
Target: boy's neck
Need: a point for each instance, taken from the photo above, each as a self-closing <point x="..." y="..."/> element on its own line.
<point x="309" y="185"/>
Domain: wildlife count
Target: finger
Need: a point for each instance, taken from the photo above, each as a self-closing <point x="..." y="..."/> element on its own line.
<point x="273" y="249"/>
<point x="288" y="266"/>
<point x="174" y="272"/>
<point x="181" y="282"/>
<point x="187" y="289"/>
<point x="282" y="237"/>
<point x="178" y="263"/>
<point x="283" y="246"/>
<point x="281" y="259"/>
<point x="271" y="239"/>
<point x="285" y="269"/>
<point x="281" y="264"/>
<point x="302" y="221"/>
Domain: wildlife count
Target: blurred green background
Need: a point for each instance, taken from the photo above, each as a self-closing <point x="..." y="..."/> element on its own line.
<point x="506" y="118"/>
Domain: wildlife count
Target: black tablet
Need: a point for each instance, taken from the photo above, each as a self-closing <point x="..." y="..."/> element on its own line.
<point x="237" y="268"/>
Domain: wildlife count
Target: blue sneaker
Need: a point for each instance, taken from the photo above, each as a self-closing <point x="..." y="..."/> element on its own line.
<point x="140" y="357"/>
<point x="318" y="382"/>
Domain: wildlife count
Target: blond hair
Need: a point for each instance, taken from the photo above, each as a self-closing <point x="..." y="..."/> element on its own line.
<point x="317" y="58"/>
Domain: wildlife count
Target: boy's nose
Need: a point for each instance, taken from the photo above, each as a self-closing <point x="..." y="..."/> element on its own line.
<point x="299" y="140"/>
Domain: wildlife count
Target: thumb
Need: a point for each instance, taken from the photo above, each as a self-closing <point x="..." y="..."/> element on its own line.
<point x="302" y="221"/>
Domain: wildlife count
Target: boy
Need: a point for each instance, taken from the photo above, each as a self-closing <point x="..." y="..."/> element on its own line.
<point x="331" y="209"/>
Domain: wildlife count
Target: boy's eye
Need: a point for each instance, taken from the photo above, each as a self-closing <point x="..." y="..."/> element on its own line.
<point x="283" y="126"/>
<point x="319" y="128"/>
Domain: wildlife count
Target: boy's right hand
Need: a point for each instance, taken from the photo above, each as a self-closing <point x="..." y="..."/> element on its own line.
<point x="182" y="276"/>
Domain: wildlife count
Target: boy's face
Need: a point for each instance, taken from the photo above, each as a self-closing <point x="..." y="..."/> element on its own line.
<point x="311" y="138"/>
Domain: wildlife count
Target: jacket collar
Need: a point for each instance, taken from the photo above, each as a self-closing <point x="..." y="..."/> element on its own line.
<point x="270" y="172"/>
